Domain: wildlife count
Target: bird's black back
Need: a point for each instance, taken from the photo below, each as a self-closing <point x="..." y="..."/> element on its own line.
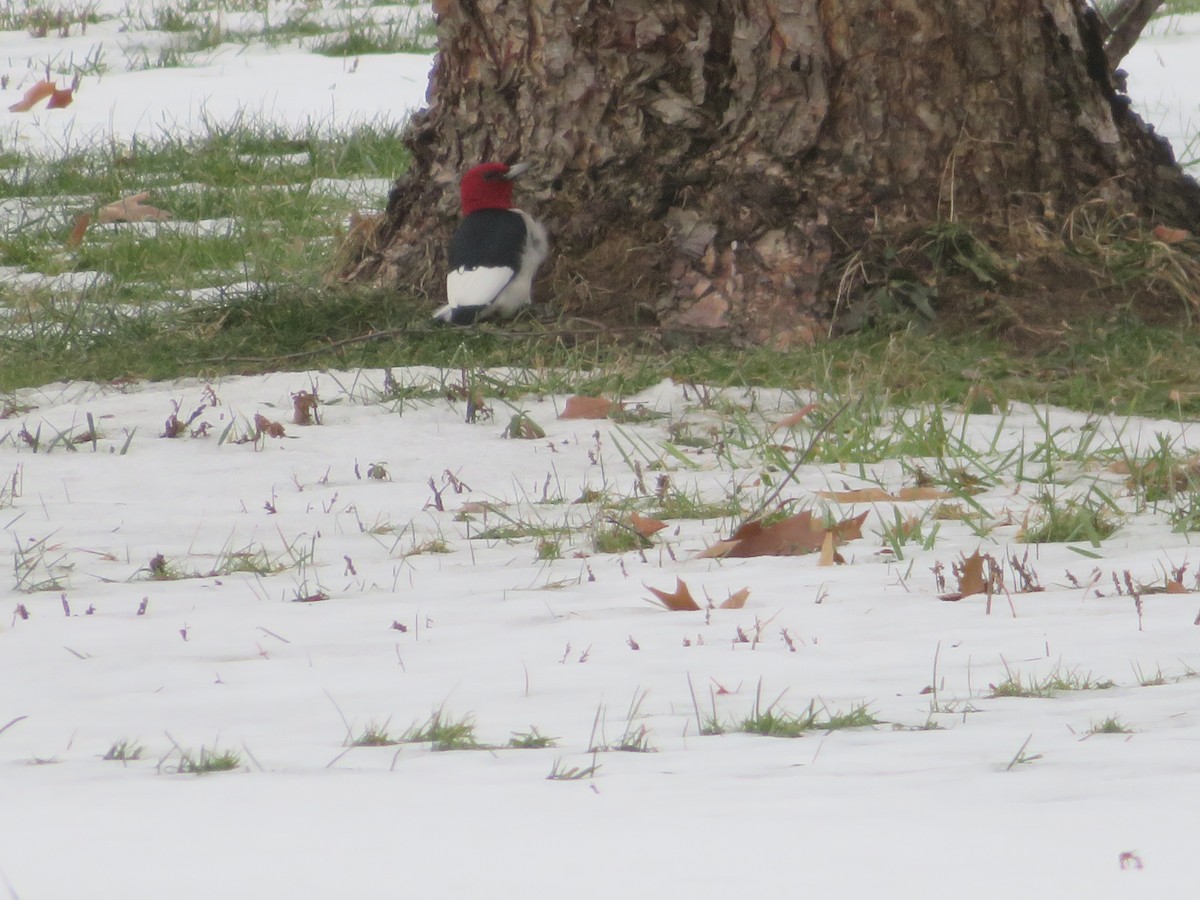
<point x="488" y="237"/>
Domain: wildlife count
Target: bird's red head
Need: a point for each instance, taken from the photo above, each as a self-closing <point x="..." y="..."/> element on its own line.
<point x="488" y="186"/>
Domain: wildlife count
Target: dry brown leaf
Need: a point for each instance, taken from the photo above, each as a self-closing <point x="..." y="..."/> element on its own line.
<point x="719" y="550"/>
<point x="850" y="529"/>
<point x="36" y="94"/>
<point x="263" y="425"/>
<point x="311" y="598"/>
<point x="790" y="421"/>
<point x="926" y="492"/>
<point x="304" y="408"/>
<point x="75" y="238"/>
<point x="1176" y="587"/>
<point x="60" y="99"/>
<point x="1171" y="235"/>
<point x="645" y="525"/>
<point x="793" y="536"/>
<point x="971" y="580"/>
<point x="879" y="495"/>
<point x="131" y="209"/>
<point x="587" y="408"/>
<point x="859" y="495"/>
<point x="737" y="599"/>
<point x="827" y="552"/>
<point x="679" y="601"/>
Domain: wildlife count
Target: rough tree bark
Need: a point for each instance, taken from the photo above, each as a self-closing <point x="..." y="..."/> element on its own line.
<point x="714" y="164"/>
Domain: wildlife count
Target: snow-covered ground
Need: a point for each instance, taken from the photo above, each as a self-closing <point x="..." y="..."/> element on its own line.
<point x="355" y="619"/>
<point x="1164" y="72"/>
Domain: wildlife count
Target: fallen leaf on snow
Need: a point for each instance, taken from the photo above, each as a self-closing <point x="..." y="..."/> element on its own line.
<point x="75" y="238"/>
<point x="645" y="525"/>
<point x="60" y="98"/>
<point x="793" y="536"/>
<point x="36" y="94"/>
<point x="587" y="408"/>
<point x="311" y="598"/>
<point x="795" y="418"/>
<point x="879" y="495"/>
<point x="971" y="579"/>
<point x="131" y="209"/>
<point x="304" y="408"/>
<point x="849" y="529"/>
<point x="829" y="556"/>
<point x="678" y="601"/>
<point x="737" y="599"/>
<point x="263" y="425"/>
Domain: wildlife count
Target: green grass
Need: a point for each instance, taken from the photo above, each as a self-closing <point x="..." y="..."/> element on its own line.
<point x="634" y="737"/>
<point x="548" y="550"/>
<point x="442" y="732"/>
<point x="371" y="36"/>
<point x="677" y="503"/>
<point x="1092" y="518"/>
<point x="561" y="772"/>
<point x="1177" y="8"/>
<point x="137" y="318"/>
<point x="373" y="735"/>
<point x="124" y="751"/>
<point x="1057" y="681"/>
<point x="200" y="27"/>
<point x="1110" y="725"/>
<point x="289" y="321"/>
<point x="617" y="538"/>
<point x="206" y="761"/>
<point x="41" y="20"/>
<point x="856" y="717"/>
<point x="530" y="740"/>
<point x="772" y="721"/>
<point x="252" y="207"/>
<point x="252" y="559"/>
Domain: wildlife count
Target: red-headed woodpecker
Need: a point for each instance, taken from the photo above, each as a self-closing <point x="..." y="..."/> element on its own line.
<point x="495" y="251"/>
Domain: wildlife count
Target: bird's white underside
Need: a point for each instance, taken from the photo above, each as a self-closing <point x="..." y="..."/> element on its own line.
<point x="480" y="286"/>
<point x="498" y="289"/>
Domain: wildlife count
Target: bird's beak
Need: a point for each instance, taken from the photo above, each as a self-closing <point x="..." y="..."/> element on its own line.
<point x="516" y="170"/>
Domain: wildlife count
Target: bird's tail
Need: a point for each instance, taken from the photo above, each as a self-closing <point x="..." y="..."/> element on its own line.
<point x="444" y="314"/>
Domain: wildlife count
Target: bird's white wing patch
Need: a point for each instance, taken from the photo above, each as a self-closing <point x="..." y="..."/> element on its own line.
<point x="478" y="286"/>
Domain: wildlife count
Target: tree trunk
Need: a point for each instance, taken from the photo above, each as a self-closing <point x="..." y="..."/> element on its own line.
<point x="717" y="164"/>
<point x="1124" y="24"/>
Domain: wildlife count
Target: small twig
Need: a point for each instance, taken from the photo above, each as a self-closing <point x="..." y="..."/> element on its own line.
<point x="1019" y="756"/>
<point x="13" y="895"/>
<point x="345" y="721"/>
<point x="339" y="756"/>
<point x="252" y="759"/>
